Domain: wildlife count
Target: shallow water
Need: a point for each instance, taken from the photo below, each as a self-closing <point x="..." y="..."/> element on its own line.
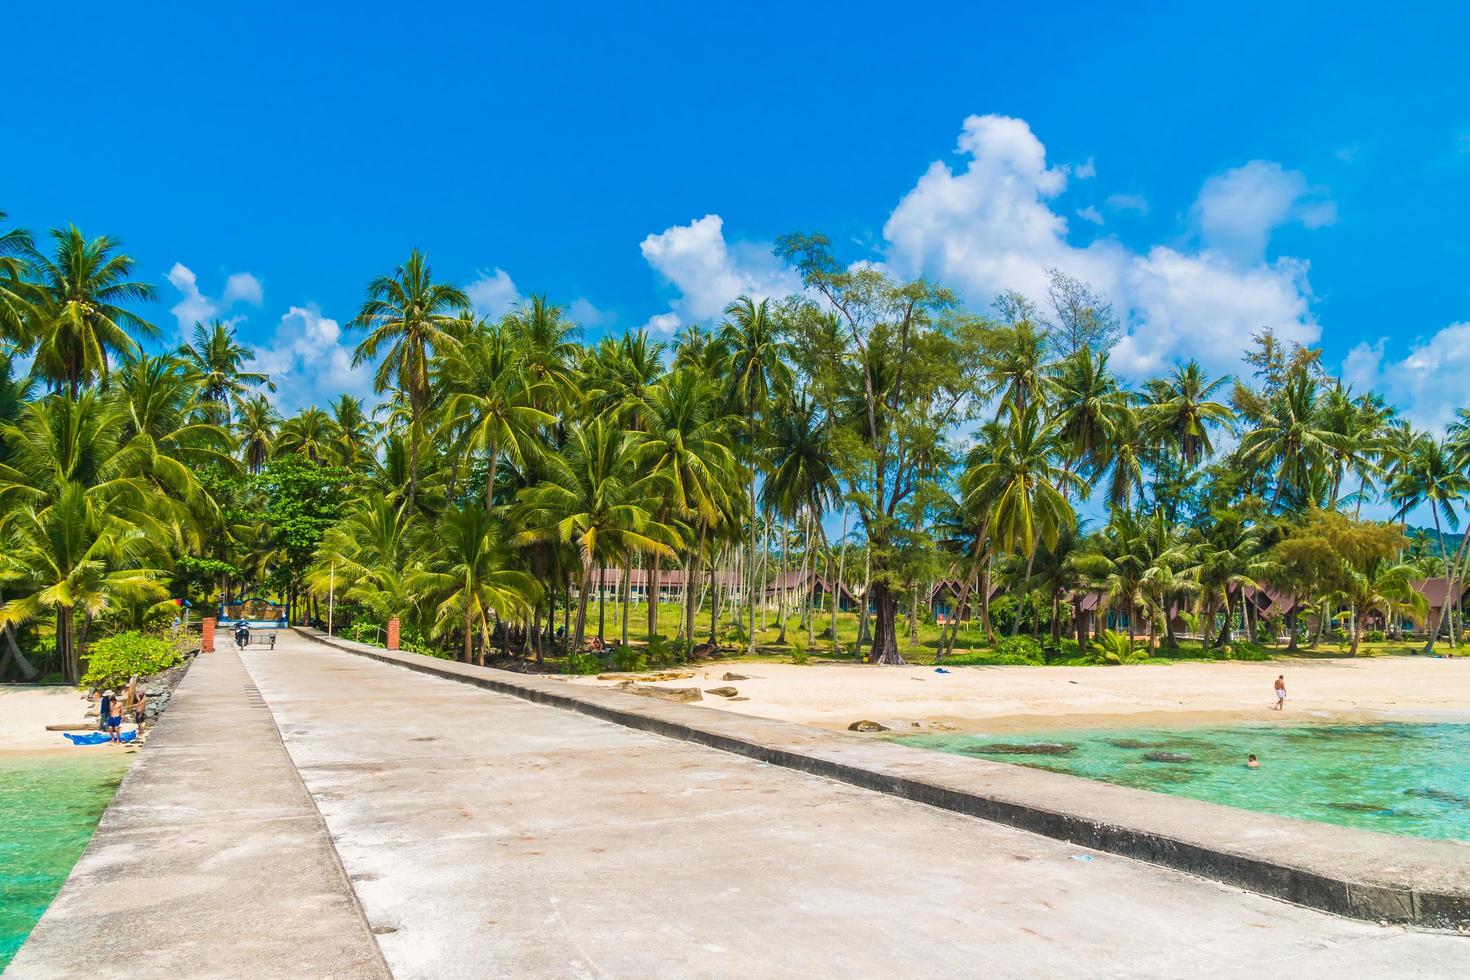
<point x="49" y="805"/>
<point x="1398" y="778"/>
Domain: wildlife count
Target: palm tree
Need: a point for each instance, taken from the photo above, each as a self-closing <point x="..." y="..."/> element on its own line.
<point x="1292" y="437"/>
<point x="256" y="431"/>
<point x="72" y="555"/>
<point x="803" y="480"/>
<point x="1022" y="481"/>
<point x="491" y="399"/>
<point x="353" y="433"/>
<point x="1090" y="408"/>
<point x="218" y="360"/>
<point x="598" y="497"/>
<point x="545" y="339"/>
<point x="1182" y="411"/>
<point x="465" y="569"/>
<point x="169" y="439"/>
<point x="83" y="324"/>
<point x="1426" y="472"/>
<point x="308" y="433"/>
<point x="688" y="446"/>
<point x="756" y="368"/>
<point x="409" y="318"/>
<point x="18" y="295"/>
<point x="1013" y="367"/>
<point x="368" y="556"/>
<point x="78" y="520"/>
<point x="1228" y="557"/>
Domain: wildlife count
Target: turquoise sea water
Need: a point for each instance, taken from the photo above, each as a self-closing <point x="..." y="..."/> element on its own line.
<point x="1399" y="778"/>
<point x="49" y="806"/>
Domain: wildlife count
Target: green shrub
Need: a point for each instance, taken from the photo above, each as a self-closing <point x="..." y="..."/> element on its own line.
<point x="582" y="663"/>
<point x="629" y="659"/>
<point x="1374" y="636"/>
<point x="1065" y="650"/>
<point x="1019" y="648"/>
<point x="799" y="655"/>
<point x="1243" y="650"/>
<point x="113" y="660"/>
<point x="988" y="658"/>
<point x="363" y="631"/>
<point x="1115" y="647"/>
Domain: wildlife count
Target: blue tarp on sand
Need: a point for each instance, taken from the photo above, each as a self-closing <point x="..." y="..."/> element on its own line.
<point x="97" y="738"/>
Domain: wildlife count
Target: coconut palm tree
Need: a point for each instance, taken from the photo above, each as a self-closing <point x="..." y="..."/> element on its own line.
<point x="18" y="295"/>
<point x="1426" y="473"/>
<point x="1182" y="411"/>
<point x="756" y="368"/>
<point x="1292" y="437"/>
<point x="491" y="399"/>
<point x="310" y="433"/>
<point x="368" y="557"/>
<point x="353" y="432"/>
<point x="1013" y="368"/>
<point x="255" y="430"/>
<point x="1027" y="484"/>
<point x="73" y="555"/>
<point x="84" y="323"/>
<point x="688" y="445"/>
<point x="218" y="360"/>
<point x="546" y="340"/>
<point x="466" y="571"/>
<point x="1090" y="409"/>
<point x="598" y="497"/>
<point x="409" y="318"/>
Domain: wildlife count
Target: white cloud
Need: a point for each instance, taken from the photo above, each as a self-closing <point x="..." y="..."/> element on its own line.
<point x="709" y="272"/>
<point x="310" y="361"/>
<point x="1085" y="171"/>
<point x="1128" y="202"/>
<point x="1090" y="213"/>
<point x="1238" y="210"/>
<point x="584" y="313"/>
<point x="196" y="307"/>
<point x="662" y="323"/>
<point x="244" y="287"/>
<point x="990" y="227"/>
<point x="1420" y="383"/>
<point x="493" y="294"/>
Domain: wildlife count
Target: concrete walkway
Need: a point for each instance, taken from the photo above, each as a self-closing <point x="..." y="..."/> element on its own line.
<point x="489" y="836"/>
<point x="212" y="860"/>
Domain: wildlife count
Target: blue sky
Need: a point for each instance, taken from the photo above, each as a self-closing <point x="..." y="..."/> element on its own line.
<point x="1302" y="165"/>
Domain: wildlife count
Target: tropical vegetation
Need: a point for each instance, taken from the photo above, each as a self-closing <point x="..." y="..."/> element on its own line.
<point x="816" y="468"/>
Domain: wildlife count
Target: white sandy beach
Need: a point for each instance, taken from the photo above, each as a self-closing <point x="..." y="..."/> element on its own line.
<point x="25" y="711"/>
<point x="1017" y="698"/>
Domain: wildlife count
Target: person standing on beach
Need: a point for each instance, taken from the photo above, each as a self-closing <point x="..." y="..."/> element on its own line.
<point x="140" y="716"/>
<point x="1280" y="692"/>
<point x="104" y="710"/>
<point x="114" y="722"/>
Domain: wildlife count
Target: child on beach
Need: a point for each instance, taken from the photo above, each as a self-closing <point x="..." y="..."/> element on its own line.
<point x="140" y="712"/>
<point x="1280" y="692"/>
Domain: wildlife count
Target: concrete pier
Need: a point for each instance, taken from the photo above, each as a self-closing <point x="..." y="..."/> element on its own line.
<point x="485" y="835"/>
<point x="212" y="860"/>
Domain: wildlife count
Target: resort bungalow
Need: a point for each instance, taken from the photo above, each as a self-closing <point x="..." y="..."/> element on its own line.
<point x="1435" y="591"/>
<point x="796" y="584"/>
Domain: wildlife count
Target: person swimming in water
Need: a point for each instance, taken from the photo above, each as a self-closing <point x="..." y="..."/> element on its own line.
<point x="1251" y="763"/>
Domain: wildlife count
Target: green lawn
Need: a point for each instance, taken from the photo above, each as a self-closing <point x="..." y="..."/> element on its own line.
<point x="970" y="645"/>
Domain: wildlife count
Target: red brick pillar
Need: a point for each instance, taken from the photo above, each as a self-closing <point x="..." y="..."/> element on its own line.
<point x="206" y="635"/>
<point x="393" y="633"/>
